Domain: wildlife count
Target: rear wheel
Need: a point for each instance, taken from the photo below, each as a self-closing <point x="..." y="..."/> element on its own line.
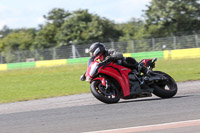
<point x="165" y="89"/>
<point x="109" y="95"/>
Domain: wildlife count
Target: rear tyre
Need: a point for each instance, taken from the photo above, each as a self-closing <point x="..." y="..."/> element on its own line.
<point x="166" y="89"/>
<point x="109" y="95"/>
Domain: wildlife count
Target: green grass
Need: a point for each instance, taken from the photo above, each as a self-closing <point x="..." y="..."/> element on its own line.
<point x="28" y="84"/>
<point x="180" y="70"/>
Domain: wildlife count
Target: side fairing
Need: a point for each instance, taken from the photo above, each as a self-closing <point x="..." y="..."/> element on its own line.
<point x="120" y="73"/>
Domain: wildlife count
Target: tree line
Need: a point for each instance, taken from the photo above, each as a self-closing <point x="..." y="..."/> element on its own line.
<point x="162" y="18"/>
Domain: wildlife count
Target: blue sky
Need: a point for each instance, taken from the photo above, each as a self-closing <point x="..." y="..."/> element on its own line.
<point x="29" y="13"/>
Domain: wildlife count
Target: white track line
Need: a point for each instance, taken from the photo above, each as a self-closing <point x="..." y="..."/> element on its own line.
<point x="170" y="125"/>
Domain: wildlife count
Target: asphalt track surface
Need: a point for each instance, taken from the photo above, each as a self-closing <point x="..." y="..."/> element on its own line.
<point x="83" y="113"/>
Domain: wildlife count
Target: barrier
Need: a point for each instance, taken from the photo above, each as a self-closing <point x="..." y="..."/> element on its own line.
<point x="182" y="54"/>
<point x="78" y="60"/>
<point x="144" y="55"/>
<point x="167" y="55"/>
<point x="20" y="65"/>
<point x="48" y="63"/>
<point x="3" y="66"/>
<point x="127" y="55"/>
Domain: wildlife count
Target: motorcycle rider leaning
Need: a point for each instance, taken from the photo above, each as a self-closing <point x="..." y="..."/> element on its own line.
<point x="98" y="50"/>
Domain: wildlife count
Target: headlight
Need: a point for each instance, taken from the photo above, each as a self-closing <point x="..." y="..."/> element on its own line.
<point x="88" y="78"/>
<point x="93" y="68"/>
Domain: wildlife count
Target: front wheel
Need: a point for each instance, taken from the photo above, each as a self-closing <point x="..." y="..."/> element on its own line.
<point x="165" y="89"/>
<point x="106" y="95"/>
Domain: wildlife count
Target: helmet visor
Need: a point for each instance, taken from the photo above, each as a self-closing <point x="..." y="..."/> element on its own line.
<point x="96" y="52"/>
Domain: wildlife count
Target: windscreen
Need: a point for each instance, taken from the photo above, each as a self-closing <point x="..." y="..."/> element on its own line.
<point x="93" y="68"/>
<point x="90" y="61"/>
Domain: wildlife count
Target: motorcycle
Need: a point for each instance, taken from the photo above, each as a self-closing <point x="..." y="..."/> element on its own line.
<point x="109" y="81"/>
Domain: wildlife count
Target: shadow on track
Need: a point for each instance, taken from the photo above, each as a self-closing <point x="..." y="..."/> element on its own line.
<point x="152" y="99"/>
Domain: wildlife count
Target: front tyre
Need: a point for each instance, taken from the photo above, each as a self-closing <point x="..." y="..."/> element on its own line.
<point x="165" y="89"/>
<point x="109" y="95"/>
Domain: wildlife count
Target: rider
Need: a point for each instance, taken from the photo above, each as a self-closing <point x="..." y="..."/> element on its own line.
<point x="98" y="51"/>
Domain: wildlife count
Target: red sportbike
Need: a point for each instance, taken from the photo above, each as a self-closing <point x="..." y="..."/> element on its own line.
<point x="110" y="82"/>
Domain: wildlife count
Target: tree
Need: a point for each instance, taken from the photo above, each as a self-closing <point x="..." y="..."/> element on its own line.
<point x="5" y="31"/>
<point x="18" y="40"/>
<point x="82" y="27"/>
<point x="130" y="29"/>
<point x="15" y="41"/>
<point x="172" y="16"/>
<point x="46" y="36"/>
<point x="57" y="16"/>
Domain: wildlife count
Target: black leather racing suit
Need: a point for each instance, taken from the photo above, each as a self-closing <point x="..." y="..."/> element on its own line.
<point x="117" y="57"/>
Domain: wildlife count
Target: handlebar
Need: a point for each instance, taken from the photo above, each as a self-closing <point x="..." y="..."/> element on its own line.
<point x="154" y="60"/>
<point x="109" y="60"/>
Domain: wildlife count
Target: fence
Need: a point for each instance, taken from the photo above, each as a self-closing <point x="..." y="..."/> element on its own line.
<point x="75" y="51"/>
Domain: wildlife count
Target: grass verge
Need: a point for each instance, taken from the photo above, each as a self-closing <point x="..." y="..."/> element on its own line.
<point x="37" y="83"/>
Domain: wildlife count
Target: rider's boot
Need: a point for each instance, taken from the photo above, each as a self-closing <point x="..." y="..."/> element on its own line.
<point x="144" y="70"/>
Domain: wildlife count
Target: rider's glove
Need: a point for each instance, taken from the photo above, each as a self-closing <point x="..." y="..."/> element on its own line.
<point x="82" y="78"/>
<point x="109" y="58"/>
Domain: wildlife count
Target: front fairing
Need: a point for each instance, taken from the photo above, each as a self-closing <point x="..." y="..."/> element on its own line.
<point x="92" y="70"/>
<point x="93" y="64"/>
<point x="120" y="73"/>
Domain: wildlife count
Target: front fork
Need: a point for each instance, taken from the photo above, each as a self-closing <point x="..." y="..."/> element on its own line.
<point x="103" y="80"/>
